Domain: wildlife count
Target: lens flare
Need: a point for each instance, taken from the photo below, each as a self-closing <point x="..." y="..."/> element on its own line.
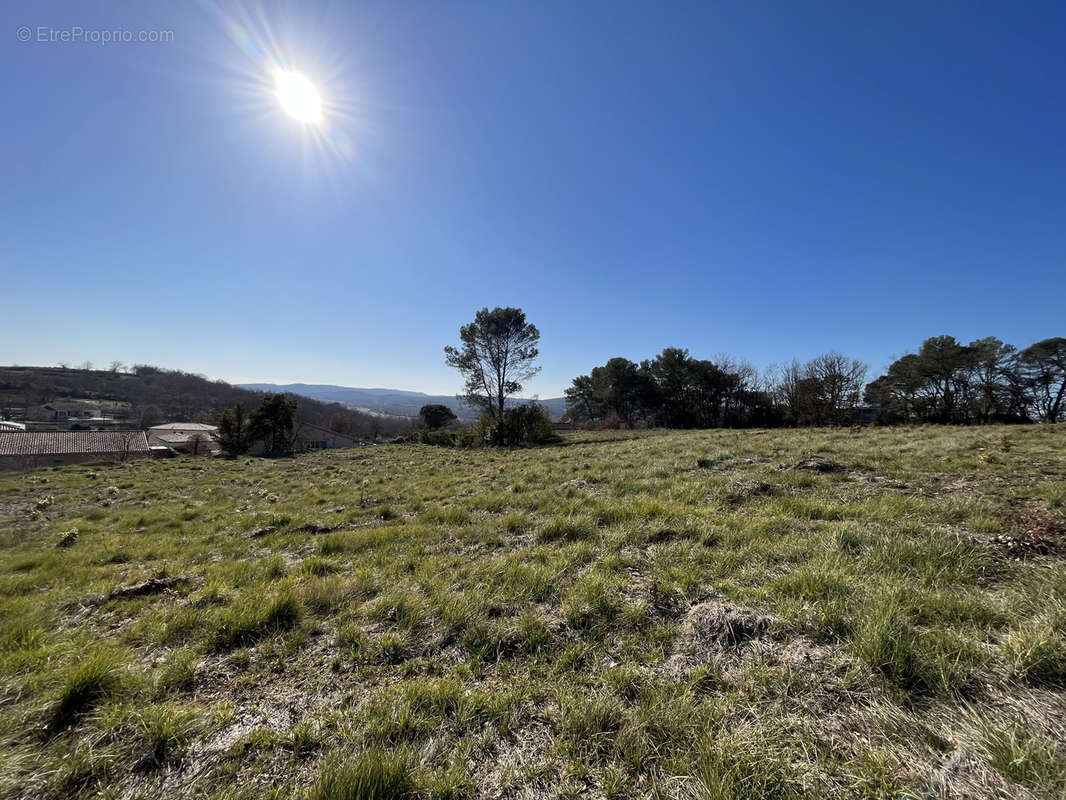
<point x="298" y="96"/>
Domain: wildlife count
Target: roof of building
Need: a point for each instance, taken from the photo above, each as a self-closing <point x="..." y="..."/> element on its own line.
<point x="36" y="443"/>
<point x="9" y="425"/>
<point x="185" y="426"/>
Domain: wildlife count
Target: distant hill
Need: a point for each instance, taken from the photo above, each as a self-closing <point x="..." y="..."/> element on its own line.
<point x="147" y="395"/>
<point x="395" y="402"/>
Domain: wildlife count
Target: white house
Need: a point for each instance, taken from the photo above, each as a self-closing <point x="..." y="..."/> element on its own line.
<point x="194" y="438"/>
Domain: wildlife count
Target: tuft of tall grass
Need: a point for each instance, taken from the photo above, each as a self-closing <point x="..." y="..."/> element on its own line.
<point x="1037" y="650"/>
<point x="372" y="775"/>
<point x="566" y="529"/>
<point x="251" y="617"/>
<point x="165" y="730"/>
<point x="918" y="660"/>
<point x="178" y="674"/>
<point x="740" y="768"/>
<point x="100" y="675"/>
<point x="1025" y="757"/>
<point x="590" y="606"/>
<point x="590" y="724"/>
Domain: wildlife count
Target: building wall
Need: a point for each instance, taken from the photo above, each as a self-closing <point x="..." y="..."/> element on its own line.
<point x="159" y="430"/>
<point x="309" y="439"/>
<point x="321" y="439"/>
<point x="60" y="459"/>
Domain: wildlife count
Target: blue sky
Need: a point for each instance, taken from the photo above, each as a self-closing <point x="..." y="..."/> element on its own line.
<point x="768" y="180"/>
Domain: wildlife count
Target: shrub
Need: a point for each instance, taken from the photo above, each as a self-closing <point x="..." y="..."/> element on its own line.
<point x="522" y="425"/>
<point x="68" y="538"/>
<point x="437" y="437"/>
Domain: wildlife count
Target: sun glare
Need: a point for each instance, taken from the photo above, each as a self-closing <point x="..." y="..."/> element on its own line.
<point x="298" y="96"/>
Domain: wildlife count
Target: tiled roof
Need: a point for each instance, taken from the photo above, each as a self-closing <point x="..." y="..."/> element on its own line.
<point x="36" y="443"/>
<point x="185" y="426"/>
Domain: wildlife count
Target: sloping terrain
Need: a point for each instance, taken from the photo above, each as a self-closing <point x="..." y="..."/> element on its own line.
<point x="714" y="614"/>
<point x="153" y="395"/>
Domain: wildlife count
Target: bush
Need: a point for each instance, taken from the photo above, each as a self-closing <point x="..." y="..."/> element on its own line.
<point x="437" y="437"/>
<point x="525" y="424"/>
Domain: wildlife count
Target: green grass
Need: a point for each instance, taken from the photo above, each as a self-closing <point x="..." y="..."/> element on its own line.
<point x="94" y="678"/>
<point x="732" y="768"/>
<point x="1026" y="757"/>
<point x="253" y="616"/>
<point x="425" y="622"/>
<point x="372" y="775"/>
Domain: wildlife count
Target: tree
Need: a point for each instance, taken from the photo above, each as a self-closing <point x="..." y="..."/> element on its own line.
<point x="618" y="388"/>
<point x="837" y="383"/>
<point x="945" y="364"/>
<point x="149" y="416"/>
<point x="234" y="431"/>
<point x="991" y="379"/>
<point x="673" y="390"/>
<point x="670" y="373"/>
<point x="273" y="423"/>
<point x="436" y="416"/>
<point x="581" y="398"/>
<point x="341" y="423"/>
<point x="1044" y="364"/>
<point x="495" y="356"/>
<point x="127" y="439"/>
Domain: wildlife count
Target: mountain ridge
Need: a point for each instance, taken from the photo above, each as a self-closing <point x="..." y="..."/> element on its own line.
<point x="393" y="402"/>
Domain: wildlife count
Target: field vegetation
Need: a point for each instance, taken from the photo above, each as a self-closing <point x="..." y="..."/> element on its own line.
<point x="819" y="613"/>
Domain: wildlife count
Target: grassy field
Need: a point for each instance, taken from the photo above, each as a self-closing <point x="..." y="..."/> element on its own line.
<point x="713" y="614"/>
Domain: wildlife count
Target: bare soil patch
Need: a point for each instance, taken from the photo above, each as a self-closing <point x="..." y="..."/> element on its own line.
<point x="817" y="464"/>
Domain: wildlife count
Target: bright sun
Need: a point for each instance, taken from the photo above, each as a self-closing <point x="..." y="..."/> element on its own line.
<point x="298" y="96"/>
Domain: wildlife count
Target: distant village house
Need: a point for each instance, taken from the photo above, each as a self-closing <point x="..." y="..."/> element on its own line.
<point x="189" y="438"/>
<point x="313" y="437"/>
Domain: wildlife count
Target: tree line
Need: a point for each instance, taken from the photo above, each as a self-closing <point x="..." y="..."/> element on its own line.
<point x="945" y="381"/>
<point x="982" y="382"/>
